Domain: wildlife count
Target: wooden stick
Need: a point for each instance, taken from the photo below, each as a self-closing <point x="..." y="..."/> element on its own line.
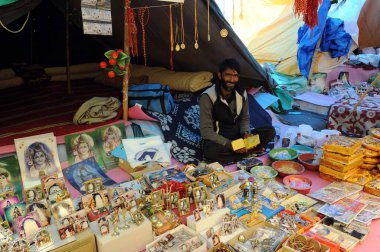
<point x="366" y="92"/>
<point x="126" y="51"/>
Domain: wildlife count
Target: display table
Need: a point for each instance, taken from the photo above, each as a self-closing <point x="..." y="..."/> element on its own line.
<point x="133" y="239"/>
<point x="85" y="242"/>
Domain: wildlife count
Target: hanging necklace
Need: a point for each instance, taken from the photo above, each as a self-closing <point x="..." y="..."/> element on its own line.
<point x="208" y="21"/>
<point x="171" y="27"/>
<point x="132" y="29"/>
<point x="195" y="25"/>
<point x="143" y="24"/>
<point x="182" y="30"/>
<point x="176" y="35"/>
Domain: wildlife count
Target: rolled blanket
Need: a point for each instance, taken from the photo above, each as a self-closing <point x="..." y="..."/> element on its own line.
<point x="97" y="109"/>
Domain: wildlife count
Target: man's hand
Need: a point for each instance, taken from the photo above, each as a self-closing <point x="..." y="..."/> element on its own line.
<point x="241" y="151"/>
<point x="246" y="135"/>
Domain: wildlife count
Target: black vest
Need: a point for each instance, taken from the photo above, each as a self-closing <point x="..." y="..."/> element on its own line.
<point x="224" y="119"/>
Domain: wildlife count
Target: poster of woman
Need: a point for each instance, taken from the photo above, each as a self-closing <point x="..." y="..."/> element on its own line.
<point x="10" y="176"/>
<point x="37" y="156"/>
<point x="82" y="146"/>
<point x="110" y="138"/>
<point x="83" y="171"/>
<point x="14" y="211"/>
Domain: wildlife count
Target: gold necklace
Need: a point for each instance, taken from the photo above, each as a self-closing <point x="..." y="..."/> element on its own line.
<point x="171" y="27"/>
<point x="208" y="20"/>
<point x="176" y="36"/>
<point x="195" y="25"/>
<point x="182" y="30"/>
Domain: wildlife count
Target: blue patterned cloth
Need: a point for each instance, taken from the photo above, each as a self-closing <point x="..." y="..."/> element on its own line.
<point x="181" y="128"/>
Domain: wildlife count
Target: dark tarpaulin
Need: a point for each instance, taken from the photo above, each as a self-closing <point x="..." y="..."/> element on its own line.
<point x="18" y="9"/>
<point x="206" y="58"/>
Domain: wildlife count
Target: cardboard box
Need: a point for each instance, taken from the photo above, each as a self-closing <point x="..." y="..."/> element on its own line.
<point x="286" y="247"/>
<point x="140" y="170"/>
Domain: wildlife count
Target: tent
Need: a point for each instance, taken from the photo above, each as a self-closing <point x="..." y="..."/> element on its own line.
<point x="206" y="58"/>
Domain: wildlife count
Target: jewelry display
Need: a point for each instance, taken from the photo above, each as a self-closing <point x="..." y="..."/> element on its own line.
<point x="182" y="30"/>
<point x="144" y="18"/>
<point x="246" y="188"/>
<point x="195" y="25"/>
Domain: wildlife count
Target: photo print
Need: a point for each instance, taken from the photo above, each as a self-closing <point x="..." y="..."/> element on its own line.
<point x="20" y="245"/>
<point x="80" y="147"/>
<point x="62" y="208"/>
<point x="27" y="226"/>
<point x="10" y="176"/>
<point x="14" y="211"/>
<point x="7" y="203"/>
<point x="93" y="185"/>
<point x="83" y="171"/>
<point x="43" y="239"/>
<point x="95" y="200"/>
<point x="41" y="208"/>
<point x="34" y="194"/>
<point x="38" y="157"/>
<point x="54" y="186"/>
<point x="104" y="226"/>
<point x="110" y="137"/>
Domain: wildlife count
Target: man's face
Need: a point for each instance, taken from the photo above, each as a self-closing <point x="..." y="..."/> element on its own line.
<point x="229" y="78"/>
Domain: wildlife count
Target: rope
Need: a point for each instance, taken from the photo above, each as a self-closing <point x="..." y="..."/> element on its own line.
<point x="22" y="27"/>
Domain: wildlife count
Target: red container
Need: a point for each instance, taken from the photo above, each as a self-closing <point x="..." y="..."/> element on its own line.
<point x="305" y="159"/>
<point x="299" y="183"/>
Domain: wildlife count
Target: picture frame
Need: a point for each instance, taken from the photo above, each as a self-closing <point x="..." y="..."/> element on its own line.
<point x="43" y="239"/>
<point x="157" y="197"/>
<point x="48" y="178"/>
<point x="10" y="177"/>
<point x="103" y="226"/>
<point x="62" y="208"/>
<point x="20" y="245"/>
<point x="137" y="217"/>
<point x="27" y="226"/>
<point x="41" y="208"/>
<point x="7" y="203"/>
<point x="37" y="156"/>
<point x="80" y="221"/>
<point x="66" y="232"/>
<point x="184" y="206"/>
<point x="197" y="215"/>
<point x="93" y="185"/>
<point x="59" y="196"/>
<point x="14" y="211"/>
<point x="220" y="201"/>
<point x="34" y="194"/>
<point x="54" y="186"/>
<point x="173" y="200"/>
<point x="95" y="200"/>
<point x="200" y="196"/>
<point x="189" y="190"/>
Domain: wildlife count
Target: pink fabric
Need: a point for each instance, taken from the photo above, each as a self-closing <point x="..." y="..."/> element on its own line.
<point x="136" y="112"/>
<point x="355" y="74"/>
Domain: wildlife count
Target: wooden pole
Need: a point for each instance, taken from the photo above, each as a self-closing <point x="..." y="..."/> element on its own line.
<point x="126" y="50"/>
<point x="366" y="92"/>
<point x="68" y="48"/>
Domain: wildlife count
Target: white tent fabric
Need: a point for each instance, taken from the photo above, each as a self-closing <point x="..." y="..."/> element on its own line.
<point x="269" y="29"/>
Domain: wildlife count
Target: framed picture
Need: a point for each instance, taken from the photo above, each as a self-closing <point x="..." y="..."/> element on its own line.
<point x="65" y="221"/>
<point x="14" y="211"/>
<point x="84" y="171"/>
<point x="42" y="210"/>
<point x="62" y="208"/>
<point x="66" y="232"/>
<point x="55" y="186"/>
<point x="211" y="203"/>
<point x="37" y="156"/>
<point x="59" y="196"/>
<point x="20" y="245"/>
<point x="220" y="201"/>
<point x="95" y="200"/>
<point x="104" y="226"/>
<point x="115" y="192"/>
<point x="184" y="206"/>
<point x="34" y="194"/>
<point x="27" y="226"/>
<point x="110" y="137"/>
<point x="173" y="200"/>
<point x="82" y="146"/>
<point x="43" y="239"/>
<point x="157" y="197"/>
<point x="200" y="196"/>
<point x="48" y="178"/>
<point x="7" y="203"/>
<point x="189" y="190"/>
<point x="10" y="176"/>
<point x="137" y="217"/>
<point x="197" y="215"/>
<point x="80" y="221"/>
<point x="93" y="185"/>
<point x="214" y="179"/>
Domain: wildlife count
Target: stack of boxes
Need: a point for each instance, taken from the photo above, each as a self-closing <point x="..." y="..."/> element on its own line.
<point x="342" y="157"/>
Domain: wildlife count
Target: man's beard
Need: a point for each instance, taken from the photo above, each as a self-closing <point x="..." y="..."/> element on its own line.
<point x="227" y="87"/>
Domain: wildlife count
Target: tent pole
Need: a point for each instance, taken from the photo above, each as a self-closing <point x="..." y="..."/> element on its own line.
<point x="67" y="49"/>
<point x="126" y="51"/>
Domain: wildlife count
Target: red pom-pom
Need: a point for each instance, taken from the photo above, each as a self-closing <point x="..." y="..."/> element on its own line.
<point x="112" y="62"/>
<point x="119" y="50"/>
<point x="114" y="55"/>
<point x="103" y="64"/>
<point x="121" y="67"/>
<point x="111" y="74"/>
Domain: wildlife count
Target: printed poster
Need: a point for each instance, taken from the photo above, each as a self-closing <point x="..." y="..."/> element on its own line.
<point x="96" y="16"/>
<point x="10" y="176"/>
